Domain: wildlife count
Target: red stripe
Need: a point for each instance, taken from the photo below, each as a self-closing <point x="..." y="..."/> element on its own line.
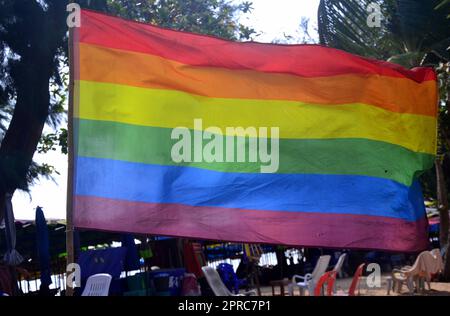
<point x="201" y="50"/>
<point x="216" y="223"/>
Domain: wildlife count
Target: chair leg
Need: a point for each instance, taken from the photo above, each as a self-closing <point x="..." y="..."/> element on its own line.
<point x="422" y="281"/>
<point x="311" y="287"/>
<point x="389" y="285"/>
<point x="291" y="289"/>
<point x="359" y="285"/>
<point x="397" y="287"/>
<point x="410" y="284"/>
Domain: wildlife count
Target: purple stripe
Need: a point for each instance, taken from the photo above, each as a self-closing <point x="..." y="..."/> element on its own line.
<point x="253" y="226"/>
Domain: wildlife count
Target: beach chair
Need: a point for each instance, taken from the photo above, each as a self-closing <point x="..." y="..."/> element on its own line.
<point x="328" y="279"/>
<point x="309" y="280"/>
<point x="216" y="284"/>
<point x="338" y="268"/>
<point x="97" y="285"/>
<point x="229" y="277"/>
<point x="427" y="264"/>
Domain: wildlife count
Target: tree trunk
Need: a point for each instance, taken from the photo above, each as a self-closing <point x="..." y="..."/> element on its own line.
<point x="25" y="129"/>
<point x="444" y="217"/>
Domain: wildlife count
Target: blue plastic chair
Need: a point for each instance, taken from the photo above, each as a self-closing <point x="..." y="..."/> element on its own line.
<point x="229" y="277"/>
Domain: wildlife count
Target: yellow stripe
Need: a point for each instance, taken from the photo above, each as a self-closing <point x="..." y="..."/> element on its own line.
<point x="102" y="64"/>
<point x="170" y="108"/>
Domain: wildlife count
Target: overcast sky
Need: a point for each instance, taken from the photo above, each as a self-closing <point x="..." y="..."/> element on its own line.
<point x="274" y="21"/>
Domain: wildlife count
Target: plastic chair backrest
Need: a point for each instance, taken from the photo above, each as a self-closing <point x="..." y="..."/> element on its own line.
<point x="320" y="268"/>
<point x="340" y="263"/>
<point x="436" y="252"/>
<point x="327" y="278"/>
<point x="355" y="280"/>
<point x="415" y="267"/>
<point x="215" y="282"/>
<point x="97" y="285"/>
<point x="417" y="262"/>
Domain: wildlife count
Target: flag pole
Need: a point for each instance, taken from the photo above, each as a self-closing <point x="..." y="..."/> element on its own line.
<point x="69" y="200"/>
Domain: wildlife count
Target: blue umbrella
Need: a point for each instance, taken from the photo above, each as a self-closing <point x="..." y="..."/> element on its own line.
<point x="43" y="247"/>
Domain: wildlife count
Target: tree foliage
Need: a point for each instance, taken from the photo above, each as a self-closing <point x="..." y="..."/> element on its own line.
<point x="32" y="34"/>
<point x="212" y="17"/>
<point x="33" y="68"/>
<point x="343" y="25"/>
<point x="410" y="30"/>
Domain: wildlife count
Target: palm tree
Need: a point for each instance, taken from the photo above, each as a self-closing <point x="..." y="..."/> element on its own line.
<point x="343" y="25"/>
<point x="411" y="33"/>
<point x="442" y="4"/>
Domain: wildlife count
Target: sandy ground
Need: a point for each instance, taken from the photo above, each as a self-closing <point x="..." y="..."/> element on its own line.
<point x="342" y="285"/>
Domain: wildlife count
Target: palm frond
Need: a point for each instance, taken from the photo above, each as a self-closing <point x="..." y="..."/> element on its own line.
<point x="409" y="29"/>
<point x="343" y="24"/>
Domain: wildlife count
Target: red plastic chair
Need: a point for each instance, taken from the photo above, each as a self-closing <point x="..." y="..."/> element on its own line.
<point x="328" y="278"/>
<point x="355" y="281"/>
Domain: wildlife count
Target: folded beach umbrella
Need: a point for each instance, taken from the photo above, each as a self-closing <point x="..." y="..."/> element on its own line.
<point x="43" y="248"/>
<point x="12" y="257"/>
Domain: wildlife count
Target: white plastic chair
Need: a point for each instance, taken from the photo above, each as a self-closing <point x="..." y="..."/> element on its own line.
<point x="426" y="264"/>
<point x="338" y="267"/>
<point x="216" y="284"/>
<point x="310" y="280"/>
<point x="97" y="285"/>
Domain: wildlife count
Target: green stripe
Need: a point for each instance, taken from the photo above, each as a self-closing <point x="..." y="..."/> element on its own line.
<point x="152" y="145"/>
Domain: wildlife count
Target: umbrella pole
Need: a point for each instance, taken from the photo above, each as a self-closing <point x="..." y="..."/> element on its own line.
<point x="69" y="201"/>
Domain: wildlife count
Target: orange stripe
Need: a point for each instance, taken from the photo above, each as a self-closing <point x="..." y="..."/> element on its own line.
<point x="142" y="70"/>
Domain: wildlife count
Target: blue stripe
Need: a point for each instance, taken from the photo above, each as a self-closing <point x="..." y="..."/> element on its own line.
<point x="342" y="194"/>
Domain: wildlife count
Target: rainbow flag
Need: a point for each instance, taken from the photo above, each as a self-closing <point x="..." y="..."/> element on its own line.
<point x="351" y="136"/>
